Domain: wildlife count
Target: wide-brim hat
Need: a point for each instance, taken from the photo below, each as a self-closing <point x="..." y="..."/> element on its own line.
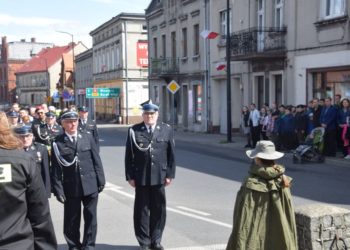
<point x="264" y="150"/>
<point x="70" y="115"/>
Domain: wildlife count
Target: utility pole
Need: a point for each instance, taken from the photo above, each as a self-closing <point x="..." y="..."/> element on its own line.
<point x="228" y="73"/>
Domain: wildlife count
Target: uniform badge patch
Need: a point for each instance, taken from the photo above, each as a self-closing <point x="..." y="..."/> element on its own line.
<point x="5" y="173"/>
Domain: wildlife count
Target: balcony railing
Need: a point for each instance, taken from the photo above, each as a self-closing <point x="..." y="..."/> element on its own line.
<point x="164" y="66"/>
<point x="258" y="42"/>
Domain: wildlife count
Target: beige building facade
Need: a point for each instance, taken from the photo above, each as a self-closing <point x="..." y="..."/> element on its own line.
<point x="282" y="52"/>
<point x="120" y="60"/>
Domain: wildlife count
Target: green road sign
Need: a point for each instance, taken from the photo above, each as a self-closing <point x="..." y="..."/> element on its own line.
<point x="102" y="92"/>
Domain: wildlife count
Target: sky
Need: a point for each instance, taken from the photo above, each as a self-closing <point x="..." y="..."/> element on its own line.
<point x="24" y="19"/>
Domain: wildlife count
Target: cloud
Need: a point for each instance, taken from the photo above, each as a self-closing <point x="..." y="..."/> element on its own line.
<point x="31" y="21"/>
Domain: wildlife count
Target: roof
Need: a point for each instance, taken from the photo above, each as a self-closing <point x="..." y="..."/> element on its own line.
<point x="121" y="16"/>
<point x="45" y="59"/>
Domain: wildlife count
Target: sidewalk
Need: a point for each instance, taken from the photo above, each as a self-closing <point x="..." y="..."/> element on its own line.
<point x="238" y="143"/>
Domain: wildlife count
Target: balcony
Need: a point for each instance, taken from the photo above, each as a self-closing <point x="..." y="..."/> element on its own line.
<point x="164" y="66"/>
<point x="258" y="43"/>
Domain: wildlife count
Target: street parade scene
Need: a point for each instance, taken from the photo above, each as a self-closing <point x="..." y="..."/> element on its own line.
<point x="175" y="124"/>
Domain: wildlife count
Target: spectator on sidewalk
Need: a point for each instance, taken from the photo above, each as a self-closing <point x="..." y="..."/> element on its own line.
<point x="287" y="130"/>
<point x="301" y="120"/>
<point x="254" y="118"/>
<point x="262" y="122"/>
<point x="328" y="121"/>
<point x="343" y="120"/>
<point x="263" y="216"/>
<point x="245" y="126"/>
<point x="316" y="113"/>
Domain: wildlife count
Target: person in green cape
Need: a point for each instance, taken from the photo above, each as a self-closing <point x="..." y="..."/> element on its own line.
<point x="263" y="216"/>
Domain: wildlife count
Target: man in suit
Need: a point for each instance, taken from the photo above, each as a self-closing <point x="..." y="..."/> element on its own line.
<point x="39" y="153"/>
<point x="77" y="178"/>
<point x="88" y="125"/>
<point x="149" y="167"/>
<point x="328" y="120"/>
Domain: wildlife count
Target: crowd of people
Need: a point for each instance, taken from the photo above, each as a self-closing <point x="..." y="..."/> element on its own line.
<point x="289" y="126"/>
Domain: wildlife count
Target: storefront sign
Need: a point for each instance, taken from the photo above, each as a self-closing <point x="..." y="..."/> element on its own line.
<point x="142" y="54"/>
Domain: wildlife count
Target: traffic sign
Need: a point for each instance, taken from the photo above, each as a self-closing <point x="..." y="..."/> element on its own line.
<point x="173" y="87"/>
<point x="102" y="92"/>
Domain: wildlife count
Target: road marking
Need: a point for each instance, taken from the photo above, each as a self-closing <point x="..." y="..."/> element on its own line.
<point x="211" y="247"/>
<point x="193" y="211"/>
<point x="116" y="189"/>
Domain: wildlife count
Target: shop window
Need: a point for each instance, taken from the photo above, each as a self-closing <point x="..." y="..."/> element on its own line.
<point x="197" y="98"/>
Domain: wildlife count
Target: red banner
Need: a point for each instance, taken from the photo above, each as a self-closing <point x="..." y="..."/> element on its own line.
<point x="142" y="54"/>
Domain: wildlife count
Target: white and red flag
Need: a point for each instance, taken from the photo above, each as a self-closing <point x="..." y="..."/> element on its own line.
<point x="207" y="34"/>
<point x="220" y="66"/>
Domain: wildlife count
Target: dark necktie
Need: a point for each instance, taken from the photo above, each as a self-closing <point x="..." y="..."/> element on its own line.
<point x="74" y="140"/>
<point x="150" y="131"/>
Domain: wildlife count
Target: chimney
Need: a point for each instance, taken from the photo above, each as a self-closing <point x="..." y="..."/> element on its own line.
<point x="4" y="50"/>
<point x="23" y="40"/>
<point x="33" y="40"/>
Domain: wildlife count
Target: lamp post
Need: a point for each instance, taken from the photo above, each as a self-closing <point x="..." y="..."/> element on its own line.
<point x="228" y="76"/>
<point x="73" y="73"/>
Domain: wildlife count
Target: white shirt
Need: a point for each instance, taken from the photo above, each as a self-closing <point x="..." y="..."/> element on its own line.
<point x="150" y="126"/>
<point x="254" y="116"/>
<point x="71" y="136"/>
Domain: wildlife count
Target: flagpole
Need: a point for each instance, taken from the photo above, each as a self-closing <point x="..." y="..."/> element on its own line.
<point x="228" y="75"/>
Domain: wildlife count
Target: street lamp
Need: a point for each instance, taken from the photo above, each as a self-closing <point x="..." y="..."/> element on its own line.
<point x="228" y="76"/>
<point x="73" y="74"/>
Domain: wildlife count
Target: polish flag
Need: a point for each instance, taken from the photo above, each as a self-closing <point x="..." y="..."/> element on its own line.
<point x="207" y="34"/>
<point x="220" y="66"/>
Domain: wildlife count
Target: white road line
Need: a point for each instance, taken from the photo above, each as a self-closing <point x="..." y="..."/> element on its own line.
<point x="116" y="189"/>
<point x="211" y="247"/>
<point x="193" y="211"/>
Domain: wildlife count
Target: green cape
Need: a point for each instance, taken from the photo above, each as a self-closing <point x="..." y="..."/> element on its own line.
<point x="263" y="216"/>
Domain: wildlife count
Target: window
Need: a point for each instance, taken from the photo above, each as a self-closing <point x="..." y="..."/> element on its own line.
<point x="155" y="54"/>
<point x="173" y="44"/>
<point x="333" y="8"/>
<point x="184" y="42"/>
<point x="197" y="98"/>
<point x="156" y="94"/>
<point x="164" y="46"/>
<point x="196" y="39"/>
<point x="279" y="13"/>
<point x="223" y="22"/>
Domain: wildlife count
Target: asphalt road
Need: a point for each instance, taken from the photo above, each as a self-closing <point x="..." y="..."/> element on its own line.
<point x="201" y="198"/>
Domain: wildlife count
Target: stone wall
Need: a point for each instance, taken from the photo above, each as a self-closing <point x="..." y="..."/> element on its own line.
<point x="319" y="224"/>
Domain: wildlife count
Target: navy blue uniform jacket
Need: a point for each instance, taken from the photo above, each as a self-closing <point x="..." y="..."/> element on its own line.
<point x="329" y="117"/>
<point x="25" y="221"/>
<point x="83" y="177"/>
<point x="157" y="163"/>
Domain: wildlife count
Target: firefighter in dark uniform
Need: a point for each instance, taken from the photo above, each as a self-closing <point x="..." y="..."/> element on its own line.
<point x="39" y="153"/>
<point x="25" y="220"/>
<point x="88" y="125"/>
<point x="149" y="167"/>
<point x="46" y="132"/>
<point x="77" y="178"/>
<point x="12" y="117"/>
<point x="38" y="121"/>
